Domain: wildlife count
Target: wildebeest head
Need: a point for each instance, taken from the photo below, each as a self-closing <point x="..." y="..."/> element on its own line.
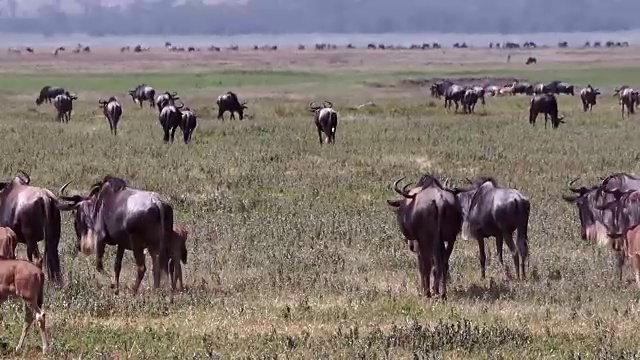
<point x="592" y="219"/>
<point x="22" y="180"/>
<point x="625" y="211"/>
<point x="466" y="195"/>
<point x="325" y="104"/>
<point x="72" y="97"/>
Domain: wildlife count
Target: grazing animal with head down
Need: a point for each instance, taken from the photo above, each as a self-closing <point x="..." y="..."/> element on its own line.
<point x="588" y="96"/>
<point x="49" y="93"/>
<point x="429" y="217"/>
<point x="142" y="93"/>
<point x="548" y="105"/>
<point x="326" y="120"/>
<point x="112" y="111"/>
<point x="64" y="105"/>
<point x="177" y="249"/>
<point x="188" y="124"/>
<point x="170" y="118"/>
<point x="229" y="102"/>
<point x="32" y="213"/>
<point x="490" y="210"/>
<point x="628" y="98"/>
<point x="116" y="214"/>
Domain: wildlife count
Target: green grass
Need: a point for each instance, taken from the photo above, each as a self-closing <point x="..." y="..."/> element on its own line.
<point x="293" y="250"/>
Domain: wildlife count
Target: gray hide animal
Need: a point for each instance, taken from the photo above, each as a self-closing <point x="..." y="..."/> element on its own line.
<point x="143" y="93"/>
<point x="548" y="105"/>
<point x="430" y="218"/>
<point x="165" y="99"/>
<point x="628" y="98"/>
<point x="326" y="120"/>
<point x="229" y="102"/>
<point x="118" y="215"/>
<point x="188" y="123"/>
<point x="64" y="105"/>
<point x="469" y="101"/>
<point x="489" y="210"/>
<point x="170" y="118"/>
<point x="454" y="93"/>
<point x="48" y="93"/>
<point x="588" y="96"/>
<point x="112" y="111"/>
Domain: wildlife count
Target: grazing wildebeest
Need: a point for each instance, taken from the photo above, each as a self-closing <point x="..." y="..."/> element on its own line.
<point x="469" y="101"/>
<point x="430" y="218"/>
<point x="326" y="120"/>
<point x="143" y="93"/>
<point x="8" y="243"/>
<point x="548" y="105"/>
<point x="229" y="102"/>
<point x="522" y="88"/>
<point x="531" y="60"/>
<point x="132" y="219"/>
<point x="170" y="118"/>
<point x="112" y="111"/>
<point x="588" y="96"/>
<point x="454" y="93"/>
<point x="166" y="99"/>
<point x="64" y="105"/>
<point x="49" y="93"/>
<point x="32" y="213"/>
<point x="490" y="210"/>
<point x="177" y="250"/>
<point x="24" y="280"/>
<point x="188" y="123"/>
<point x="628" y="98"/>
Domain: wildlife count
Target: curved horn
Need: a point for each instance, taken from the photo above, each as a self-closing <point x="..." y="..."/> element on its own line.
<point x="175" y="93"/>
<point x="469" y="181"/>
<point x="95" y="189"/>
<point x="402" y="192"/>
<point x="102" y="102"/>
<point x="181" y="104"/>
<point x="327" y="102"/>
<point x="27" y="179"/>
<point x="570" y="185"/>
<point x="61" y="191"/>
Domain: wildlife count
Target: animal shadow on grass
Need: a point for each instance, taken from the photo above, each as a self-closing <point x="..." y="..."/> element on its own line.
<point x="491" y="293"/>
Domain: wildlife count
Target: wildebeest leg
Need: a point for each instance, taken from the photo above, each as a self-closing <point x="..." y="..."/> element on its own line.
<point x="483" y="257"/>
<point x="155" y="268"/>
<point x="173" y="133"/>
<point x="546" y="117"/>
<point x="508" y="238"/>
<point x="635" y="261"/>
<point x="138" y="255"/>
<point x="619" y="257"/>
<point x="439" y="282"/>
<point x="457" y="105"/>
<point x="100" y="247"/>
<point x="424" y="270"/>
<point x="28" y="320"/>
<point x="165" y="138"/>
<point x="320" y="134"/>
<point x="117" y="266"/>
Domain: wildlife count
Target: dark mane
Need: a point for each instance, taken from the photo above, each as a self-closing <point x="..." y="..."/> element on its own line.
<point x="483" y="179"/>
<point x="115" y="183"/>
<point x="427" y="180"/>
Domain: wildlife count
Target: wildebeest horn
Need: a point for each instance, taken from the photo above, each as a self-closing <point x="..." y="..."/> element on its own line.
<point x="327" y="102"/>
<point x="469" y="181"/>
<point x="313" y="108"/>
<point x="61" y="191"/>
<point x="175" y="93"/>
<point x="181" y="104"/>
<point x="27" y="179"/>
<point x="401" y="192"/>
<point x="570" y="185"/>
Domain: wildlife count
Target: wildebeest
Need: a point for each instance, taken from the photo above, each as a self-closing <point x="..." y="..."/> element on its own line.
<point x="229" y="102"/>
<point x="142" y="93"/>
<point x="165" y="99"/>
<point x="628" y="98"/>
<point x="49" y="93"/>
<point x="531" y="60"/>
<point x="454" y="93"/>
<point x="170" y="118"/>
<point x="188" y="123"/>
<point x="24" y="280"/>
<point x="64" y="105"/>
<point x="132" y="219"/>
<point x="32" y="213"/>
<point x="489" y="210"/>
<point x="588" y="97"/>
<point x="430" y="218"/>
<point x="326" y="120"/>
<point x="469" y="100"/>
<point x="548" y="105"/>
<point x="541" y="88"/>
<point x="439" y="87"/>
<point x="522" y="88"/>
<point x="480" y="91"/>
<point x="559" y="87"/>
<point x="112" y="111"/>
<point x="177" y="249"/>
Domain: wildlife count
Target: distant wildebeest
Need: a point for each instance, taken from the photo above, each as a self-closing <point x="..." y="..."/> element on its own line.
<point x="469" y="100"/>
<point x="559" y="87"/>
<point x="56" y="51"/>
<point x="29" y="49"/>
<point x="170" y="118"/>
<point x="177" y="253"/>
<point x="490" y="210"/>
<point x="125" y="49"/>
<point x="49" y="93"/>
<point x="326" y="120"/>
<point x="493" y="90"/>
<point x="588" y="96"/>
<point x="541" y="88"/>
<point x="454" y="93"/>
<point x="142" y="93"/>
<point x="32" y="213"/>
<point x="439" y="87"/>
<point x="64" y="105"/>
<point x="522" y="88"/>
<point x="229" y="102"/>
<point x="430" y="218"/>
<point x="132" y="219"/>
<point x="548" y="105"/>
<point x="24" y="280"/>
<point x="188" y="123"/>
<point x="531" y="60"/>
<point x="8" y="243"/>
<point x="628" y="98"/>
<point x="112" y="111"/>
<point x="165" y="99"/>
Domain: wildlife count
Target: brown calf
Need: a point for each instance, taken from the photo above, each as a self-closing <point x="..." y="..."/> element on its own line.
<point x="177" y="253"/>
<point x="8" y="243"/>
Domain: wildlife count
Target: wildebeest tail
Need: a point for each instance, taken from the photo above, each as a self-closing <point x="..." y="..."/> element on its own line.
<point x="334" y="121"/>
<point x="522" y="208"/>
<point x="52" y="239"/>
<point x="40" y="299"/>
<point x="167" y="227"/>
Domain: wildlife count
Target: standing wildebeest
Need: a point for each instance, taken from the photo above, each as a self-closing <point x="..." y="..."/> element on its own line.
<point x="531" y="60"/>
<point x="588" y="96"/>
<point x="469" y="101"/>
<point x="116" y="214"/>
<point x="188" y="123"/>
<point x="48" y="93"/>
<point x="430" y="218"/>
<point x="326" y="120"/>
<point x="559" y="87"/>
<point x="64" y="105"/>
<point x="112" y="110"/>
<point x="490" y="210"/>
<point x="522" y="88"/>
<point x="32" y="213"/>
<point x="627" y="97"/>
<point x="454" y="93"/>
<point x="229" y="102"/>
<point x="143" y="93"/>
<point x="170" y="118"/>
<point x="541" y="88"/>
<point x="548" y="105"/>
<point x="166" y="99"/>
<point x="439" y="88"/>
<point x="480" y="91"/>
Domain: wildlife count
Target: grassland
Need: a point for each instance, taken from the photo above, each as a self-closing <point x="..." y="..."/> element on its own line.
<point x="293" y="251"/>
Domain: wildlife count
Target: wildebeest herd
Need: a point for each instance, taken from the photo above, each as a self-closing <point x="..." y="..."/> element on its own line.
<point x="543" y="100"/>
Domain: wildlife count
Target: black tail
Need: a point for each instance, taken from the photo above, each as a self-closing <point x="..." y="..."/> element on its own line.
<point x="522" y="241"/>
<point x="51" y="240"/>
<point x="167" y="221"/>
<point x="40" y="299"/>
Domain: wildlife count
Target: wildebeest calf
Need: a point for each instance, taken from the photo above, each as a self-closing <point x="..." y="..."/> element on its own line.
<point x="326" y="120"/>
<point x="177" y="253"/>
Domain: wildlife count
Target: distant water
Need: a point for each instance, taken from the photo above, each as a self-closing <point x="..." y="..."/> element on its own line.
<point x="446" y="39"/>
